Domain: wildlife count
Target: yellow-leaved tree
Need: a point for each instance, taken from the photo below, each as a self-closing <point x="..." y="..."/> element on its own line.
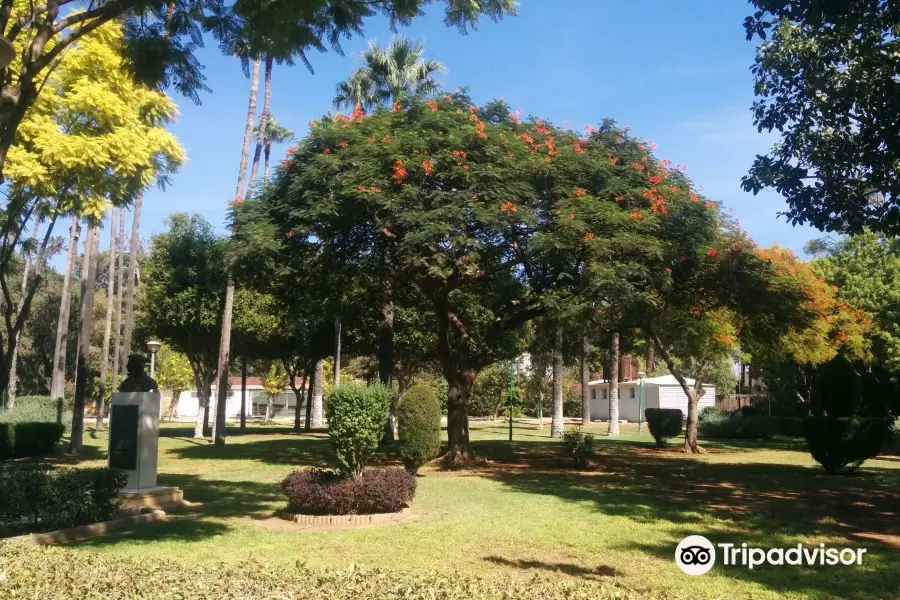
<point x="93" y="139"/>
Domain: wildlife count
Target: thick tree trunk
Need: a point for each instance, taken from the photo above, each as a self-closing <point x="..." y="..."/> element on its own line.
<point x="82" y="366"/>
<point x="104" y="357"/>
<point x="13" y="386"/>
<point x="58" y="376"/>
<point x="263" y="122"/>
<point x="132" y="275"/>
<point x="458" y="391"/>
<point x="248" y="130"/>
<point x="386" y="342"/>
<point x="614" y="386"/>
<point x="557" y="424"/>
<point x="651" y="357"/>
<point x="309" y="398"/>
<point x="318" y="416"/>
<point x="585" y="381"/>
<point x="270" y="401"/>
<point x="120" y="284"/>
<point x="224" y="352"/>
<point x="243" y="392"/>
<point x="173" y="405"/>
<point x="203" y="394"/>
<point x="690" y="432"/>
<point x="337" y="351"/>
<point x="298" y="398"/>
<point x="266" y="152"/>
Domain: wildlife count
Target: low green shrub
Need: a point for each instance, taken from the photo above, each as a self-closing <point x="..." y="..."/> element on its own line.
<point x="324" y="492"/>
<point x="579" y="446"/>
<point x="789" y="426"/>
<point x="53" y="573"/>
<point x="706" y="412"/>
<point x="34" y="496"/>
<point x="664" y="423"/>
<point x="356" y="417"/>
<point x="18" y="440"/>
<point x="845" y="443"/>
<point x="39" y="409"/>
<point x="419" y="420"/>
<point x="737" y="426"/>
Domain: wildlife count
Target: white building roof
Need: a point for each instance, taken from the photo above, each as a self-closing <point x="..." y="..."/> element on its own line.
<point x="661" y="380"/>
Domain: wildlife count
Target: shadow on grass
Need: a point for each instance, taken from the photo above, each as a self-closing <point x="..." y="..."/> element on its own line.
<point x="568" y="569"/>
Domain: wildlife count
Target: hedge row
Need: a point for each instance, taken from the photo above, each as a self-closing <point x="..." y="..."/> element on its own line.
<point x="35" y="496"/>
<point x="737" y="426"/>
<point x="18" y="440"/>
<point x="39" y="409"/>
<point x="54" y="573"/>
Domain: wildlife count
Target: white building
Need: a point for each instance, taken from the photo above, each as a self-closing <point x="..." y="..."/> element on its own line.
<point x="659" y="392"/>
<point x="284" y="405"/>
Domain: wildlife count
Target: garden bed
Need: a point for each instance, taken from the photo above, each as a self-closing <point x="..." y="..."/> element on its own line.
<point x="346" y="521"/>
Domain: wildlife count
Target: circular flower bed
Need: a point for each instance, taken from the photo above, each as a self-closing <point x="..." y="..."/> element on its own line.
<point x="324" y="492"/>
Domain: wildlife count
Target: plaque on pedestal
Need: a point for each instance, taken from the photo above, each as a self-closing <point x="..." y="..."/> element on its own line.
<point x="134" y="437"/>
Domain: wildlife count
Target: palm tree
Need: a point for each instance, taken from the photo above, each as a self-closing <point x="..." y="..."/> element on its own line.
<point x="62" y="327"/>
<point x="275" y="133"/>
<point x="389" y="74"/>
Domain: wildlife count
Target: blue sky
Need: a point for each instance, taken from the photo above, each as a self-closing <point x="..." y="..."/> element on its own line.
<point x="676" y="72"/>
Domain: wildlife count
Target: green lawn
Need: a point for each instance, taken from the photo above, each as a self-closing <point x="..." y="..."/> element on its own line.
<point x="526" y="512"/>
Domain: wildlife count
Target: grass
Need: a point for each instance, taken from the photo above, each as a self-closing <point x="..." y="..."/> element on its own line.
<point x="526" y="511"/>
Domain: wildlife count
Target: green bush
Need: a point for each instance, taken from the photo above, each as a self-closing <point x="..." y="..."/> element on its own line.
<point x="325" y="492"/>
<point x="707" y="412"/>
<point x="35" y="496"/>
<point x="53" y="573"/>
<point x="737" y="426"/>
<point x="579" y="446"/>
<point x="664" y="423"/>
<point x="845" y="443"/>
<point x="39" y="409"/>
<point x="789" y="426"/>
<point x="18" y="440"/>
<point x="356" y="417"/>
<point x="419" y="420"/>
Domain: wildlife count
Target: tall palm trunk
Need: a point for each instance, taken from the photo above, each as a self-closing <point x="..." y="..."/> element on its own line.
<point x="13" y="385"/>
<point x="614" y="385"/>
<point x="104" y="357"/>
<point x="248" y="130"/>
<point x="266" y="152"/>
<point x="82" y="365"/>
<point x="313" y="382"/>
<point x="58" y="375"/>
<point x="244" y="392"/>
<point x="318" y="415"/>
<point x="337" y="351"/>
<point x="557" y="425"/>
<point x="585" y="381"/>
<point x="132" y="273"/>
<point x="224" y="353"/>
<point x="120" y="268"/>
<point x="263" y="124"/>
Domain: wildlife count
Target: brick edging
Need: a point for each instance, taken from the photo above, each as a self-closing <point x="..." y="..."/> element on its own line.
<point x="344" y="520"/>
<point x="62" y="536"/>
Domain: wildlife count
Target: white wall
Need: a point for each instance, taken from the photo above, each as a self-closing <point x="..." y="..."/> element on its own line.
<point x="672" y="396"/>
<point x="655" y="396"/>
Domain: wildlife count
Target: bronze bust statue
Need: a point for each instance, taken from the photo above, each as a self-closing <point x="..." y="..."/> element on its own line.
<point x="137" y="380"/>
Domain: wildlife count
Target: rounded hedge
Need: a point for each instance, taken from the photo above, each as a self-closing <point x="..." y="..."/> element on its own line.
<point x="324" y="492"/>
<point x="845" y="443"/>
<point x="664" y="423"/>
<point x="419" y="420"/>
<point x="356" y="415"/>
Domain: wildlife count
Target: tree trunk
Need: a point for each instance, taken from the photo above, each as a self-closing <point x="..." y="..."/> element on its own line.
<point x="243" y="392"/>
<point x="585" y="381"/>
<point x="266" y="152"/>
<point x="270" y="400"/>
<point x="557" y="424"/>
<point x="337" y="351"/>
<point x="263" y="122"/>
<point x="651" y="357"/>
<point x="298" y="398"/>
<point x="614" y="386"/>
<point x="120" y="268"/>
<point x="458" y="391"/>
<point x="58" y="377"/>
<point x="309" y="398"/>
<point x="173" y="405"/>
<point x="318" y="420"/>
<point x="224" y="352"/>
<point x="13" y="385"/>
<point x="132" y="275"/>
<point x="690" y="431"/>
<point x="82" y="366"/>
<point x="104" y="357"/>
<point x="203" y="394"/>
<point x="386" y="343"/>
<point x="248" y="130"/>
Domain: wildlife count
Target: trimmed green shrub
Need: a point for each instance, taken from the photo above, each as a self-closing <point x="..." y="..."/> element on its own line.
<point x="54" y="573"/>
<point x="419" y="420"/>
<point x="356" y="416"/>
<point x="664" y="423"/>
<point x="579" y="446"/>
<point x="707" y="412"/>
<point x="18" y="440"/>
<point x="324" y="492"/>
<point x="737" y="426"/>
<point x="845" y="443"/>
<point x="39" y="409"/>
<point x="789" y="426"/>
<point x="34" y="496"/>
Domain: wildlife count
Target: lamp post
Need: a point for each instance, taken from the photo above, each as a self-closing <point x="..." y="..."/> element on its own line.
<point x="641" y="376"/>
<point x="153" y="346"/>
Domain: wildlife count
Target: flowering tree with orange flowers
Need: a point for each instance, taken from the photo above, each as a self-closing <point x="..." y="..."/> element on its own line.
<point x="494" y="220"/>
